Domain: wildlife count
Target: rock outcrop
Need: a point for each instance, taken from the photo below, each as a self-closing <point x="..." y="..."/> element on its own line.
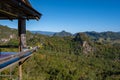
<point x="87" y="48"/>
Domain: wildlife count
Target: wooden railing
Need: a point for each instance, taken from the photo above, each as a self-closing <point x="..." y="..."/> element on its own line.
<point x="13" y="59"/>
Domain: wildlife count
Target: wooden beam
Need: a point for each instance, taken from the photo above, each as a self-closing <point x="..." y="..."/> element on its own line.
<point x="6" y="13"/>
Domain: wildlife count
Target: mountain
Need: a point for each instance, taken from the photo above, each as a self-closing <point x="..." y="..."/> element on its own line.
<point x="109" y="34"/>
<point x="62" y="34"/>
<point x="93" y="35"/>
<point x="8" y="34"/>
<point x="66" y="58"/>
<point x="43" y="33"/>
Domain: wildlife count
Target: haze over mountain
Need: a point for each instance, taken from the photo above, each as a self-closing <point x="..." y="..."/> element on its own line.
<point x="94" y="35"/>
<point x="48" y="33"/>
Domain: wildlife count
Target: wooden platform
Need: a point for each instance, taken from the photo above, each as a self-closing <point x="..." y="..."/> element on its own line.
<point x="9" y="59"/>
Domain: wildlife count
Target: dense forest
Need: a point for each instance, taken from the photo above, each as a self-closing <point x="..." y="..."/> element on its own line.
<point x="82" y="56"/>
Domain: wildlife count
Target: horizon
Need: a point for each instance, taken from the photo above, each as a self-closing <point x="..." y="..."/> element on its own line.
<point x="74" y="16"/>
<point x="75" y="32"/>
<point x="62" y="30"/>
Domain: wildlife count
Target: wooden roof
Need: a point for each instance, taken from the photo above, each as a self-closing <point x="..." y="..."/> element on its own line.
<point x="26" y="2"/>
<point x="16" y="9"/>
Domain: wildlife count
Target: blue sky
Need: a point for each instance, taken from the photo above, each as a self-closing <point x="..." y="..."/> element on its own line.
<point x="74" y="16"/>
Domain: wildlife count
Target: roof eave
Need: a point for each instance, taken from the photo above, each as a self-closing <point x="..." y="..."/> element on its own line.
<point x="22" y="6"/>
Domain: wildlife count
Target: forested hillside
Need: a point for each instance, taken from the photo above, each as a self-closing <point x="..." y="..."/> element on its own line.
<point x="79" y="57"/>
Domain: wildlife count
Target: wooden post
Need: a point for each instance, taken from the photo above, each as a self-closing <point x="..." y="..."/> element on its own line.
<point x="22" y="41"/>
<point x="22" y="34"/>
<point x="20" y="71"/>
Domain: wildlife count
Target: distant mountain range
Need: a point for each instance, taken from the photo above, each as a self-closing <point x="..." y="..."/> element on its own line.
<point x="93" y="34"/>
<point x="48" y="33"/>
<point x="105" y="35"/>
<point x="7" y="32"/>
<point x="60" y="34"/>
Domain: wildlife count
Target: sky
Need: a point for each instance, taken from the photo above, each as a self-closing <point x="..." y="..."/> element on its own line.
<point x="74" y="16"/>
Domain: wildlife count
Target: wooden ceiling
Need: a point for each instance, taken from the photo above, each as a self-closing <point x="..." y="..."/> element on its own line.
<point x="17" y="9"/>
